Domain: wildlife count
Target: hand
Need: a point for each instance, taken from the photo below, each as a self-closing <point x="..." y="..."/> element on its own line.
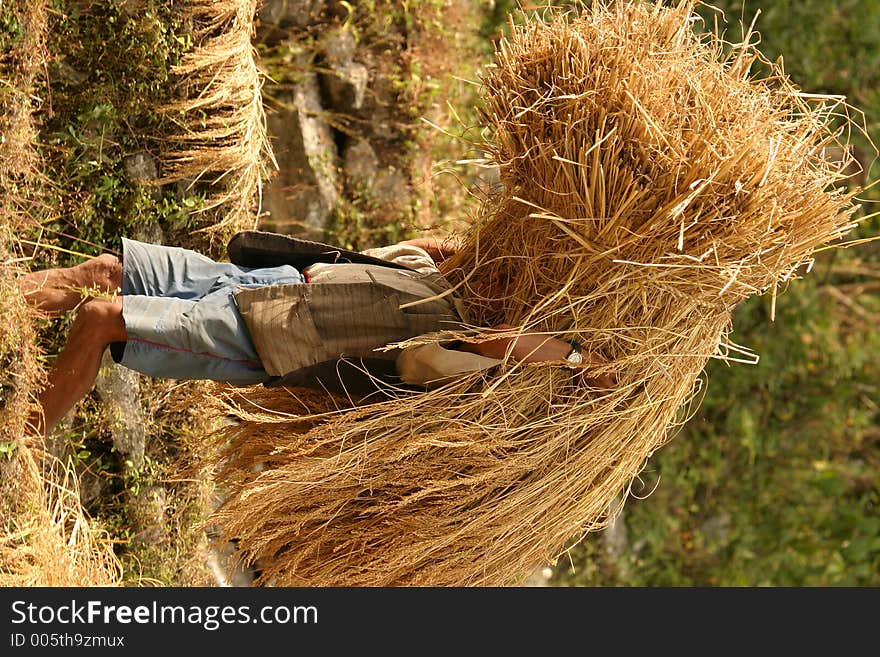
<point x="536" y="348"/>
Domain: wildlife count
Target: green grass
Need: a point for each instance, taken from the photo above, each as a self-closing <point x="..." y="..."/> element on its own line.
<point x="776" y="479"/>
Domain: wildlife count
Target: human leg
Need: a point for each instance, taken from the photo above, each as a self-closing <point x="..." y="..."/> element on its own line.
<point x="97" y="324"/>
<point x="182" y="316"/>
<point x="58" y="290"/>
<point x="173" y="338"/>
<point x="155" y="270"/>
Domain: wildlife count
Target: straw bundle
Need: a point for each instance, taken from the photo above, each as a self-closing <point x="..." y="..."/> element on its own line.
<point x="47" y="538"/>
<point x="651" y="182"/>
<point x="222" y="139"/>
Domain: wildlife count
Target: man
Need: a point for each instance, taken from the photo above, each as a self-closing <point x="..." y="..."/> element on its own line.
<point x="174" y="313"/>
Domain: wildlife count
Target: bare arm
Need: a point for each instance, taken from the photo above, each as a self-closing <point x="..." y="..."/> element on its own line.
<point x="533" y="348"/>
<point x="439" y="249"/>
<point x="527" y="348"/>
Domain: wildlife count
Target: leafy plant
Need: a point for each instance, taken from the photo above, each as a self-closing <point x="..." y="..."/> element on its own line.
<point x="7" y="449"/>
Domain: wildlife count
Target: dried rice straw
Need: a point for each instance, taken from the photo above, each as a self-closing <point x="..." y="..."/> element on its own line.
<point x="651" y="183"/>
<point x="222" y="139"/>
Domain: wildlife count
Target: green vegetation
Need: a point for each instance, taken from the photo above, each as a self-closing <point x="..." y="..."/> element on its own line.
<point x="776" y="479"/>
<point x="110" y="71"/>
<point x="826" y="47"/>
<point x="10" y="29"/>
<point x="414" y="51"/>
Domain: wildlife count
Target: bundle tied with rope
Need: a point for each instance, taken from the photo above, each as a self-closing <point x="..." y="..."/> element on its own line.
<point x="652" y="180"/>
